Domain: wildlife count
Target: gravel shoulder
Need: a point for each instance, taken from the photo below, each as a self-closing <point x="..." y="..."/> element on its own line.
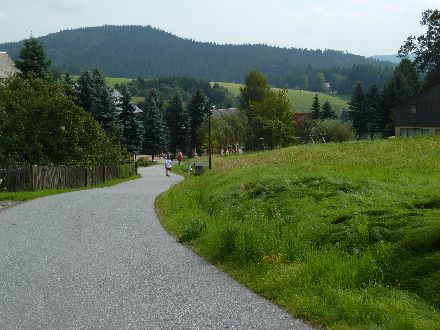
<point x="99" y="258"/>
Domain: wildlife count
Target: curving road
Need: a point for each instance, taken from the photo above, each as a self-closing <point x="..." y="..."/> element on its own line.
<point x="100" y="259"/>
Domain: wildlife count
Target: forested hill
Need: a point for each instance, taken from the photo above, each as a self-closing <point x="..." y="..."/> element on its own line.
<point x="137" y="51"/>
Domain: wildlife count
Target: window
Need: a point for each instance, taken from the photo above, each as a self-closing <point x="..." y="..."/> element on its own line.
<point x="413" y="108"/>
<point x="416" y="131"/>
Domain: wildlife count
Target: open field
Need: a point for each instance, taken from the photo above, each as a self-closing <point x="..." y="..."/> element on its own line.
<point x="113" y="81"/>
<point x="343" y="235"/>
<point x="300" y="100"/>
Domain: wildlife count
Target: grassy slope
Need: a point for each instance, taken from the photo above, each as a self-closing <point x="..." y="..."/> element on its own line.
<point x="300" y="100"/>
<point x="343" y="235"/>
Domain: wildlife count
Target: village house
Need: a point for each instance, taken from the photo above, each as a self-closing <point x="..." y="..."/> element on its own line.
<point x="419" y="115"/>
<point x="7" y="66"/>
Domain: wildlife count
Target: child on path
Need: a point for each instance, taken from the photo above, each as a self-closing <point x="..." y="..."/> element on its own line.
<point x="168" y="165"/>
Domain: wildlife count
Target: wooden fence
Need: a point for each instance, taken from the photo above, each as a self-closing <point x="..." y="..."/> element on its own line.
<point x="61" y="177"/>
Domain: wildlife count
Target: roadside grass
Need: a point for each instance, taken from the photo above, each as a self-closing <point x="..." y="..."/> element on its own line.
<point x="28" y="195"/>
<point x="300" y="101"/>
<point x="346" y="236"/>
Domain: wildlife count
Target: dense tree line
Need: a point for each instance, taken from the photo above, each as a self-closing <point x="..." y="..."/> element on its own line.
<point x="186" y="87"/>
<point x="136" y="51"/>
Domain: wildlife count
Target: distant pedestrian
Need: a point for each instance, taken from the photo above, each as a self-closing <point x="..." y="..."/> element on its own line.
<point x="168" y="165"/>
<point x="179" y="157"/>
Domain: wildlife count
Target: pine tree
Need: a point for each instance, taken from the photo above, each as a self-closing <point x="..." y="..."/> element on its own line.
<point x="316" y="108"/>
<point x="95" y="96"/>
<point x="84" y="91"/>
<point x="373" y="110"/>
<point x="32" y="59"/>
<point x="131" y="133"/>
<point x="178" y="121"/>
<point x="155" y="130"/>
<point x="327" y="111"/>
<point x="196" y="109"/>
<point x="357" y="111"/>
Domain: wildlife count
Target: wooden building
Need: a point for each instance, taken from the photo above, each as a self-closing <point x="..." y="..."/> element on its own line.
<point x="419" y="115"/>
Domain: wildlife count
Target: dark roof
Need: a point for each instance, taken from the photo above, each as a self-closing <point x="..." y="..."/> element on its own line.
<point x="420" y="110"/>
<point x="301" y="116"/>
<point x="7" y="66"/>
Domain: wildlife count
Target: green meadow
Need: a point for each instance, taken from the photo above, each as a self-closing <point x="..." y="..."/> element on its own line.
<point x="300" y="100"/>
<point x="345" y="236"/>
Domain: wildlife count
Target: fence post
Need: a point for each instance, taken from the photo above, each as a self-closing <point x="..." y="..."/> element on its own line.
<point x="33" y="173"/>
<point x="104" y="172"/>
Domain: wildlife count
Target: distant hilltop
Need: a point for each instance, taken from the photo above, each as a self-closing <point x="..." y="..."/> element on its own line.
<point x="390" y="58"/>
<point x="144" y="51"/>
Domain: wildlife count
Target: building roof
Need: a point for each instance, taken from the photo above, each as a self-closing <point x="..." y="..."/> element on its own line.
<point x="117" y="96"/>
<point x="301" y="116"/>
<point x="7" y="66"/>
<point x="221" y="112"/>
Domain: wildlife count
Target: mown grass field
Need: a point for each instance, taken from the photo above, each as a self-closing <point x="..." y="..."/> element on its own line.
<point x="346" y="236"/>
<point x="300" y="101"/>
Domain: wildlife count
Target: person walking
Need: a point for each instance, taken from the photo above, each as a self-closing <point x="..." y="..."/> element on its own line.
<point x="179" y="157"/>
<point x="168" y="165"/>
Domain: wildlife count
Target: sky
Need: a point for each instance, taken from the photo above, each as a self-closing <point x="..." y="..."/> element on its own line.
<point x="363" y="27"/>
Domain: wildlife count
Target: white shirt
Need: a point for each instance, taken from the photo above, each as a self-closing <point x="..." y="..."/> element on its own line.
<point x="168" y="163"/>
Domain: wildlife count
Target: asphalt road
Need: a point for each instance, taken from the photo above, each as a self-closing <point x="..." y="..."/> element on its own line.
<point x="100" y="259"/>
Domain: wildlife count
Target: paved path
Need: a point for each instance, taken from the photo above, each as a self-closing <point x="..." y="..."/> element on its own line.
<point x="99" y="259"/>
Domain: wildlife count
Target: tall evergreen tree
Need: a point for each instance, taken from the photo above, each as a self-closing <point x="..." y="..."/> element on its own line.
<point x="178" y="121"/>
<point x="84" y="91"/>
<point x="327" y="111"/>
<point x="315" y="109"/>
<point x="373" y="110"/>
<point x="357" y="110"/>
<point x="32" y="59"/>
<point x="131" y="131"/>
<point x="96" y="97"/>
<point x="155" y="130"/>
<point x="196" y="110"/>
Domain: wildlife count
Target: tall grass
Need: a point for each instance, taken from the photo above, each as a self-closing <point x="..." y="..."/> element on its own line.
<point x="343" y="235"/>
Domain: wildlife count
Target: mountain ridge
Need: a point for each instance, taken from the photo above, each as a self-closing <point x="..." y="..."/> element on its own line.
<point x="144" y="51"/>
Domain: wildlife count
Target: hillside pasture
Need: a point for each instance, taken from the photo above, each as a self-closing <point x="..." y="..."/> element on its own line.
<point x="300" y="101"/>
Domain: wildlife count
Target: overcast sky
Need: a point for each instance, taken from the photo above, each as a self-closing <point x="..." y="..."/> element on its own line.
<point x="364" y="27"/>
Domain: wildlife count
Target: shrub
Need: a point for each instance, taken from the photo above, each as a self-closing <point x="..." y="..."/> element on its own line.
<point x="332" y="131"/>
<point x="144" y="162"/>
<point x="328" y="130"/>
<point x="192" y="231"/>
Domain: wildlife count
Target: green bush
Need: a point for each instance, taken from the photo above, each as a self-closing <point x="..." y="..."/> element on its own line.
<point x="126" y="170"/>
<point x="329" y="130"/>
<point x="144" y="162"/>
<point x="333" y="131"/>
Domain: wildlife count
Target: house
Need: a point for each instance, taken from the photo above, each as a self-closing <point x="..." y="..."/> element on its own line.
<point x="420" y="114"/>
<point x="221" y="112"/>
<point x="7" y="66"/>
<point x="301" y="116"/>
